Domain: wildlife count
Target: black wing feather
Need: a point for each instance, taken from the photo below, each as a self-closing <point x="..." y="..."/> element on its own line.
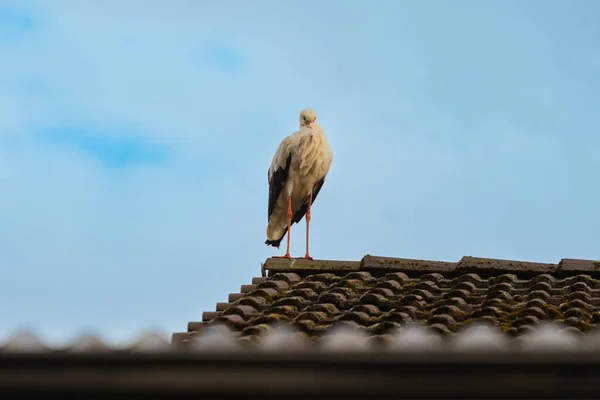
<point x="302" y="211"/>
<point x="276" y="184"/>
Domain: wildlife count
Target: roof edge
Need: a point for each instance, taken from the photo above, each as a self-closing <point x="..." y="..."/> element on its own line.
<point x="369" y="262"/>
<point x="302" y="264"/>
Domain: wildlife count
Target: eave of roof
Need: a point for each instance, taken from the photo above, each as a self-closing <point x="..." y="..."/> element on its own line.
<point x="301" y="375"/>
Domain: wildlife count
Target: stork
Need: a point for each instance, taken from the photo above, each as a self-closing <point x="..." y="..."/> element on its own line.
<point x="296" y="175"/>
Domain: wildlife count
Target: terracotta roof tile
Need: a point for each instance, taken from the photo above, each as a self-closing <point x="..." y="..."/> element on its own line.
<point x="381" y="295"/>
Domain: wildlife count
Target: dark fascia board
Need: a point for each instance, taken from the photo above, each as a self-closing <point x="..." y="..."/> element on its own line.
<point x="302" y="374"/>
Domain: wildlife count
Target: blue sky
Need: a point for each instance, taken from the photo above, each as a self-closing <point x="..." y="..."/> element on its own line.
<point x="135" y="141"/>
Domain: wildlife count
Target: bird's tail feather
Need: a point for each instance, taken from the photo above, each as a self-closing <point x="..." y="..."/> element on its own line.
<point x="276" y="242"/>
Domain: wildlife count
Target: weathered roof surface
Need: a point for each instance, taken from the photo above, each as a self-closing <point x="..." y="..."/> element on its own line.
<point x="381" y="296"/>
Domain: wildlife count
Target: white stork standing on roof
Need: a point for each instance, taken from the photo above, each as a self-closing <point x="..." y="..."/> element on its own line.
<point x="296" y="175"/>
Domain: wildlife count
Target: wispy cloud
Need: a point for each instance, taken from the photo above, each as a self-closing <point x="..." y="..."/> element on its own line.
<point x="112" y="150"/>
<point x="222" y="56"/>
<point x="13" y="19"/>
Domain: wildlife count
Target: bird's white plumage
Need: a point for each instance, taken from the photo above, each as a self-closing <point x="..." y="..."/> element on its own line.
<point x="309" y="156"/>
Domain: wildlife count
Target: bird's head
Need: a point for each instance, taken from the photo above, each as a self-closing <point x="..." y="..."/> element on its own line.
<point x="307" y="117"/>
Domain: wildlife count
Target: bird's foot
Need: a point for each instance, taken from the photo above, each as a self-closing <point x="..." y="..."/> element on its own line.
<point x="307" y="257"/>
<point x="285" y="256"/>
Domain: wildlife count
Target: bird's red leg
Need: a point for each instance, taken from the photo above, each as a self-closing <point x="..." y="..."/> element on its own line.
<point x="307" y="255"/>
<point x="289" y="221"/>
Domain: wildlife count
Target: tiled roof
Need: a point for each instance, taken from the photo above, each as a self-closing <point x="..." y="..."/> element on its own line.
<point x="382" y="296"/>
<point x="29" y="342"/>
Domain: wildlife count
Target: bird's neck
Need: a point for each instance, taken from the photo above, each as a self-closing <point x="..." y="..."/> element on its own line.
<point x="313" y="126"/>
